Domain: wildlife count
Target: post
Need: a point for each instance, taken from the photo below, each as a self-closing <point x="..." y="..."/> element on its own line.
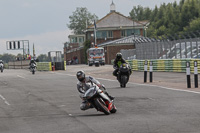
<point x="195" y="75"/>
<point x="151" y="71"/>
<point x="188" y="74"/>
<point x="145" y="71"/>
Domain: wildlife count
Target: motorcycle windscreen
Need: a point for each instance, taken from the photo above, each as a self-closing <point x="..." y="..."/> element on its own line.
<point x="90" y="92"/>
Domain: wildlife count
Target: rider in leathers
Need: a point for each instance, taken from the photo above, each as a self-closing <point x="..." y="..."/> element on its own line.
<point x="117" y="63"/>
<point x="1" y="63"/>
<point x="83" y="86"/>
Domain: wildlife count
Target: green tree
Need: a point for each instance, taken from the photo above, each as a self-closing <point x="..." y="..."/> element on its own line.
<point x="193" y="25"/>
<point x="80" y="19"/>
<point x="43" y="58"/>
<point x="7" y="57"/>
<point x="140" y="13"/>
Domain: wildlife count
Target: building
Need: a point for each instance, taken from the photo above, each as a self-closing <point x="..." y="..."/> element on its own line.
<point x="115" y="26"/>
<point x="112" y="27"/>
<point x="75" y="42"/>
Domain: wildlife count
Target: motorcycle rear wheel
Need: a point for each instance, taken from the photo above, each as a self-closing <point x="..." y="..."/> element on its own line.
<point x="101" y="106"/>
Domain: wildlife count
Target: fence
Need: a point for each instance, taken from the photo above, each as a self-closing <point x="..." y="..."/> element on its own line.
<point x="177" y="46"/>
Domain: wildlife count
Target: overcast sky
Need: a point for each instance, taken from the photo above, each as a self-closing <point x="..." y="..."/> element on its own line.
<point x="43" y="22"/>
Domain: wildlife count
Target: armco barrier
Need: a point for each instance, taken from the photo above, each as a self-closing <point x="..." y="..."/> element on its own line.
<point x="165" y="65"/>
<point x="24" y="64"/>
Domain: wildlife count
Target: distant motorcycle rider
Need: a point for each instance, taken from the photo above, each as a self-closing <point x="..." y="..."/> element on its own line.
<point x="32" y="61"/>
<point x="117" y="63"/>
<point x="1" y="63"/>
<point x="83" y="86"/>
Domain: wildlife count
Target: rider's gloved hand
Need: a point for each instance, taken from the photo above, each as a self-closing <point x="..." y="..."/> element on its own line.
<point x="99" y="85"/>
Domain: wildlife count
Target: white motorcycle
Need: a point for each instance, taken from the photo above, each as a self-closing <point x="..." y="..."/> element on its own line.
<point x="33" y="68"/>
<point x="100" y="100"/>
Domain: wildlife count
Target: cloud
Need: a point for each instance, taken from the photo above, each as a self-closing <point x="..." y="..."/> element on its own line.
<point x="44" y="42"/>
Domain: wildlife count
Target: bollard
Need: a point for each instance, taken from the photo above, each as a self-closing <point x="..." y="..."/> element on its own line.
<point x="188" y="74"/>
<point x="145" y="71"/>
<point x="195" y="75"/>
<point x="151" y="71"/>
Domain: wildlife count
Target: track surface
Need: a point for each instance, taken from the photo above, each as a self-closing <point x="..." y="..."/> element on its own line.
<point x="48" y="102"/>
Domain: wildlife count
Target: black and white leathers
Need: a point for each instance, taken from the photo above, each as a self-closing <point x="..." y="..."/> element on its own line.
<point x="84" y="86"/>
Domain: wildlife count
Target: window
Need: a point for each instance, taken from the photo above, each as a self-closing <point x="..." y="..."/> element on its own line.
<point x="110" y="34"/>
<point x="101" y="34"/>
<point x="123" y="33"/>
<point x="80" y="39"/>
<point x="129" y="32"/>
<point x="74" y="39"/>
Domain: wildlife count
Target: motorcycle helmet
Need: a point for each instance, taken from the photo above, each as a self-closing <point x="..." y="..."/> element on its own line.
<point x="118" y="56"/>
<point x="80" y="75"/>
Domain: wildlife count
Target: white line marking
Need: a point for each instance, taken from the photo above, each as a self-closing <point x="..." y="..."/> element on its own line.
<point x="20" y="76"/>
<point x="6" y="102"/>
<point x="196" y="92"/>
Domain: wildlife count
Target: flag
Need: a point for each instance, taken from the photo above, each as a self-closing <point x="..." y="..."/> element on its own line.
<point x="33" y="50"/>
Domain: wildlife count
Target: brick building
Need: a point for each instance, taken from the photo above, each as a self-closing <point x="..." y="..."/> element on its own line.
<point x="111" y="28"/>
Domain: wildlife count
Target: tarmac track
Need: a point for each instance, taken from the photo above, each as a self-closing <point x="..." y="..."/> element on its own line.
<point x="48" y="102"/>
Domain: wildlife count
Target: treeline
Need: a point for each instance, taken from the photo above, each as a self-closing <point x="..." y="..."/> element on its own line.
<point x="10" y="57"/>
<point x="170" y="18"/>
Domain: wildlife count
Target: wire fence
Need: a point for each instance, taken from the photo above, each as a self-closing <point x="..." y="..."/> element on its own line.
<point x="177" y="46"/>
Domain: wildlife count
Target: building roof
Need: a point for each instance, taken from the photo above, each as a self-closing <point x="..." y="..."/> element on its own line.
<point x="128" y="40"/>
<point x="115" y="19"/>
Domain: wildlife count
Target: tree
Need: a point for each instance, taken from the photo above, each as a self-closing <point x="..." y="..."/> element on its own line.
<point x="140" y="13"/>
<point x="80" y="19"/>
<point x="7" y="57"/>
<point x="43" y="58"/>
<point x="193" y="25"/>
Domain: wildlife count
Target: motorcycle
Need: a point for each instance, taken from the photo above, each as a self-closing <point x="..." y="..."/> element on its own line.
<point x="1" y="67"/>
<point x="99" y="100"/>
<point x="124" y="74"/>
<point x="33" y="68"/>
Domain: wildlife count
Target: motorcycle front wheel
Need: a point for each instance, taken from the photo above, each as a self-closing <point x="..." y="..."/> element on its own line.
<point x="33" y="72"/>
<point x="123" y="81"/>
<point x="101" y="106"/>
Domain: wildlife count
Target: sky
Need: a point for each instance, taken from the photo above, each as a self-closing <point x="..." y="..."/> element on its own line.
<point x="44" y="22"/>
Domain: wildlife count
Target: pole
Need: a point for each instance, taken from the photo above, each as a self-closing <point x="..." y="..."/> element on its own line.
<point x="151" y="71"/>
<point x="195" y="75"/>
<point x="145" y="71"/>
<point x="188" y="74"/>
